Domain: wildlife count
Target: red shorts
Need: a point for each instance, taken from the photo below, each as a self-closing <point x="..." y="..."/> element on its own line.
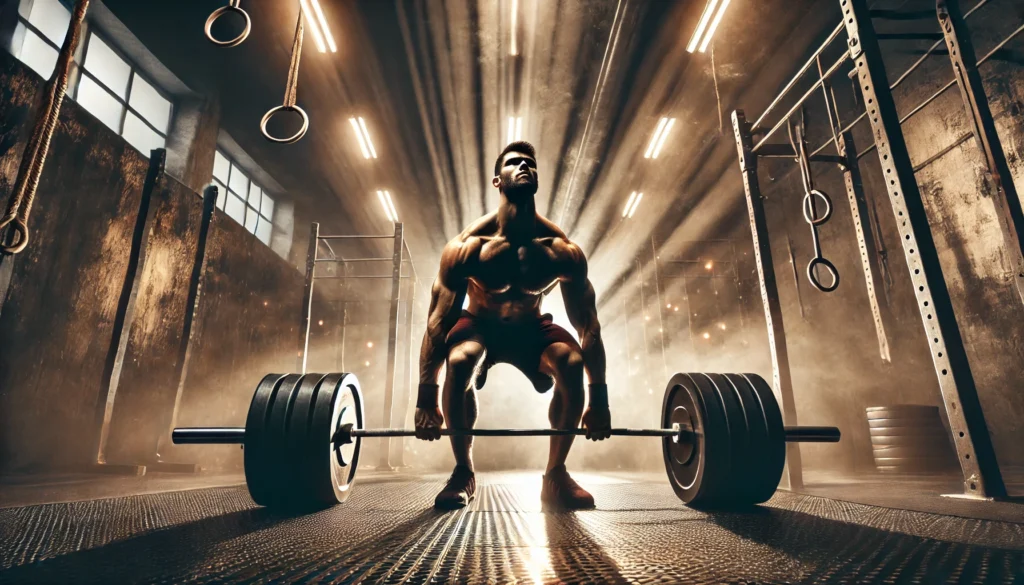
<point x="519" y="344"/>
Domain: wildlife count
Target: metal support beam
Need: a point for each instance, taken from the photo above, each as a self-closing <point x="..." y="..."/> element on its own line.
<point x="865" y="238"/>
<point x="965" y="70"/>
<point x="782" y="380"/>
<point x="307" y="296"/>
<point x="389" y="381"/>
<point x="981" y="474"/>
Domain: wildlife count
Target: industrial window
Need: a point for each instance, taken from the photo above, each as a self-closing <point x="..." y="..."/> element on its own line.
<point x="242" y="199"/>
<point x="108" y="85"/>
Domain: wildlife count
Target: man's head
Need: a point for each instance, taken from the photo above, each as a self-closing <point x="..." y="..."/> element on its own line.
<point x="515" y="171"/>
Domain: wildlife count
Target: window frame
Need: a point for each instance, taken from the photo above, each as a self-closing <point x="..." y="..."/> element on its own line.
<point x="79" y="70"/>
<point x="225" y="186"/>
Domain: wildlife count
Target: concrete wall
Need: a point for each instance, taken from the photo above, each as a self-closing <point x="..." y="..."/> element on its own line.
<point x="63" y="302"/>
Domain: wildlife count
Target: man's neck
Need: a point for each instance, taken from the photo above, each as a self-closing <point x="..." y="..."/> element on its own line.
<point x="517" y="220"/>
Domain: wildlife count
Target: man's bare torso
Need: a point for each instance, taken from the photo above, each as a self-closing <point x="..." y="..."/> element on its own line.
<point x="507" y="280"/>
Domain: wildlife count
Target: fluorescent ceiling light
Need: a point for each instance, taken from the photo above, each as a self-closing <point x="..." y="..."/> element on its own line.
<point x="391" y="205"/>
<point x="318" y="38"/>
<point x="515" y="129"/>
<point x="384" y="204"/>
<point x="709" y="10"/>
<point x="636" y="204"/>
<point x="365" y="144"/>
<point x="366" y="135"/>
<point x="658" y="139"/>
<point x="359" y="136"/>
<point x="625" y="210"/>
<point x="664" y="135"/>
<point x="714" y="25"/>
<point x="513" y="49"/>
<point x="323" y="25"/>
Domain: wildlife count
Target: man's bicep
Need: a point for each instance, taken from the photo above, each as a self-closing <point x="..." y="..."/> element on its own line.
<point x="580" y="302"/>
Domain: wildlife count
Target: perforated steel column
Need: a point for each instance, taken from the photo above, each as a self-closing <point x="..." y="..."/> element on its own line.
<point x="956" y="382"/>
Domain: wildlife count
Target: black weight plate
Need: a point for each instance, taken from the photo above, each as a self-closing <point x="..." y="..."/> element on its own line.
<point x="776" y="444"/>
<point x="760" y="480"/>
<point x="297" y="440"/>
<point x="731" y="494"/>
<point x="695" y="471"/>
<point x="909" y="452"/>
<point x="918" y="423"/>
<point x="260" y="451"/>
<point x="338" y="401"/>
<point x="905" y="441"/>
<point x="903" y="411"/>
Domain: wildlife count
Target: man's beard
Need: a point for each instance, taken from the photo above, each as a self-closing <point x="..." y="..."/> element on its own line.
<point x="517" y="190"/>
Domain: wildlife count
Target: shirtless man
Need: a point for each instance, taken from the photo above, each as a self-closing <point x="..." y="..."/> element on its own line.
<point x="504" y="262"/>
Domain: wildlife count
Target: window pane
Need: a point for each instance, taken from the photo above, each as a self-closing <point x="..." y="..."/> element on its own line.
<point x="35" y="52"/>
<point x="239" y="183"/>
<point x="51" y="17"/>
<point x="153" y="107"/>
<point x="222" y="194"/>
<point x="221" y="168"/>
<point x="98" y="101"/>
<point x="263" y="230"/>
<point x="251" y="217"/>
<point x="267" y="209"/>
<point x="110" y="69"/>
<point x="255" y="195"/>
<point x="141" y="136"/>
<point x="235" y="208"/>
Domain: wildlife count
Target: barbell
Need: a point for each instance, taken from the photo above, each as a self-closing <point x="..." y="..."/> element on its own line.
<point x="723" y="440"/>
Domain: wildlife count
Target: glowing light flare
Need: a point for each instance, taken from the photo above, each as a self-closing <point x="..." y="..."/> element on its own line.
<point x="655" y="137"/>
<point x="629" y="203"/>
<point x="706" y="335"/>
<point x="721" y="326"/>
<point x="366" y="363"/>
<point x="366" y="136"/>
<point x="664" y="135"/>
<point x="359" y="137"/>
<point x="513" y="49"/>
<point x="636" y="204"/>
<point x="389" y="207"/>
<point x="369" y="344"/>
<point x="714" y="25"/>
<point x="515" y="129"/>
<point x="320" y="322"/>
<point x="705" y="18"/>
<point x="709" y="265"/>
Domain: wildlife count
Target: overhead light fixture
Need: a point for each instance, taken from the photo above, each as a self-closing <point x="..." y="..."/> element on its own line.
<point x="658" y="139"/>
<point x="709" y="20"/>
<point x="389" y="206"/>
<point x="513" y="49"/>
<point x="318" y="24"/>
<point x="515" y="128"/>
<point x="363" y="135"/>
<point x="631" y="204"/>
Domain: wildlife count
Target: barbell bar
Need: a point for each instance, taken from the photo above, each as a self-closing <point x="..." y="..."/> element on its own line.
<point x="236" y="435"/>
<point x="723" y="440"/>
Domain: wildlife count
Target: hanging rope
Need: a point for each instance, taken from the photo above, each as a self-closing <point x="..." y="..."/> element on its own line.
<point x="24" y="194"/>
<point x="290" y="92"/>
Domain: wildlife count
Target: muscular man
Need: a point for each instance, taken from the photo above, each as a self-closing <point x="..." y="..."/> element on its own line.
<point x="504" y="262"/>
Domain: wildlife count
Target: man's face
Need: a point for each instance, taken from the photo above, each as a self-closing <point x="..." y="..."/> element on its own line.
<point x="518" y="174"/>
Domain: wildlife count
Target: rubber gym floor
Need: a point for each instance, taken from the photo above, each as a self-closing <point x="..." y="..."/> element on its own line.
<point x="387" y="532"/>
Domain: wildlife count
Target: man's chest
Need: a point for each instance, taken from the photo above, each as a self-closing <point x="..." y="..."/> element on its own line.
<point x="529" y="268"/>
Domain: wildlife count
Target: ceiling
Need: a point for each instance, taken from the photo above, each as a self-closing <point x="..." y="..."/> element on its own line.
<point x="435" y="82"/>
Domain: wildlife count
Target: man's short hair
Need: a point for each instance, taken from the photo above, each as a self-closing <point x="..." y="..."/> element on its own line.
<point x="517" y="146"/>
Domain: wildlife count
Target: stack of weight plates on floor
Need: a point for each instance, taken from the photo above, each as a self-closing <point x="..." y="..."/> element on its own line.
<point x="909" y="438"/>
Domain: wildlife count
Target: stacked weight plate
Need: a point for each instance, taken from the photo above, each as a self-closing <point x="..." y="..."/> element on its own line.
<point x="909" y="438"/>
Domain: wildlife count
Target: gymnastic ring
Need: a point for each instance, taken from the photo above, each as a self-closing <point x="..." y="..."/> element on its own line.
<point x="291" y="139"/>
<point x="814" y="278"/>
<point x="21" y="228"/>
<point x="233" y="6"/>
<point x="807" y="207"/>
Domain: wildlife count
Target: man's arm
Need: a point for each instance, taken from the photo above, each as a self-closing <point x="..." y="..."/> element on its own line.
<point x="581" y="307"/>
<point x="446" y="298"/>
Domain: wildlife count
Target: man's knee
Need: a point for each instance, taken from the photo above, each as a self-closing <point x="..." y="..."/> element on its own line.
<point x="567" y="361"/>
<point x="463" y="360"/>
